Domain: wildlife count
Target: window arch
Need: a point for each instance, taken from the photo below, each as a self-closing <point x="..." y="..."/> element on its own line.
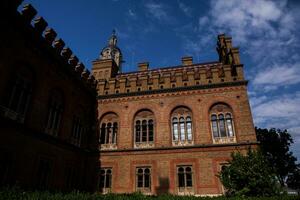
<point x="109" y="128"/>
<point x="181" y="126"/>
<point x="56" y="104"/>
<point x="21" y="91"/>
<point x="144" y="129"/>
<point x="222" y="125"/>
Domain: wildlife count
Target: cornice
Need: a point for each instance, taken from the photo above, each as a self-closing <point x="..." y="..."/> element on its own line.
<point x="171" y="90"/>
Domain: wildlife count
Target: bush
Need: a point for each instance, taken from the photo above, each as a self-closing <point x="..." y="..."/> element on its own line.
<point x="249" y="175"/>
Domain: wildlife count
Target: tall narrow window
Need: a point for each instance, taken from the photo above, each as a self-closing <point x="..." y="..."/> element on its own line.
<point x="222" y="125"/>
<point x="77" y="130"/>
<point x="143" y="179"/>
<point x="182" y="132"/>
<point x="103" y="133"/>
<point x="175" y="128"/>
<point x="20" y="93"/>
<point x="105" y="181"/>
<point x="54" y="112"/>
<point x="114" y="133"/>
<point x="150" y="130"/>
<point x="144" y="129"/>
<point x="137" y="131"/>
<point x="229" y="124"/>
<point x="182" y="129"/>
<point x="214" y="125"/>
<point x="43" y="173"/>
<point x="189" y="128"/>
<point x="109" y="128"/>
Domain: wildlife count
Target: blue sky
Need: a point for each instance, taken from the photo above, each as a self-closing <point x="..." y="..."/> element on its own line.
<point x="161" y="32"/>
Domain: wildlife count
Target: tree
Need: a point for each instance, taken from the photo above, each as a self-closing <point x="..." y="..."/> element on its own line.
<point x="274" y="145"/>
<point x="249" y="175"/>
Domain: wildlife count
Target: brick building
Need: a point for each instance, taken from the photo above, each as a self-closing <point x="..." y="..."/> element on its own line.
<point x="47" y="107"/>
<point x="170" y="129"/>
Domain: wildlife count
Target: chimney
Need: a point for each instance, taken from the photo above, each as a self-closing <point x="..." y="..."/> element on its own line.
<point x="187" y="60"/>
<point x="143" y="66"/>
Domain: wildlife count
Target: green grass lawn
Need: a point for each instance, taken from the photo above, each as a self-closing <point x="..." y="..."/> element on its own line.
<point x="13" y="194"/>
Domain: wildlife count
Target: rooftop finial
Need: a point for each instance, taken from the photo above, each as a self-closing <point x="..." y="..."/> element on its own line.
<point x="113" y="39"/>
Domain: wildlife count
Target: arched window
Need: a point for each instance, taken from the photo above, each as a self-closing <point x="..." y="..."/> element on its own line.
<point x="185" y="179"/>
<point x="55" y="112"/>
<point x="144" y="129"/>
<point x="222" y="124"/>
<point x="105" y="181"/>
<point x="21" y="92"/>
<point x="143" y="179"/>
<point x="109" y="128"/>
<point x="182" y="131"/>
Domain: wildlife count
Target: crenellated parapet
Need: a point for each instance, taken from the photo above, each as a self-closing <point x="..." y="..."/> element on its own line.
<point x="228" y="54"/>
<point x="49" y="38"/>
<point x="227" y="69"/>
<point x="186" y="75"/>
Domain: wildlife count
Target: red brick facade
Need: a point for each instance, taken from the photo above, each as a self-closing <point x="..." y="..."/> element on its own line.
<point x="193" y="92"/>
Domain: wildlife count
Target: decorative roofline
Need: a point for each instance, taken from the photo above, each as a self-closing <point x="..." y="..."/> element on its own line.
<point x="39" y="30"/>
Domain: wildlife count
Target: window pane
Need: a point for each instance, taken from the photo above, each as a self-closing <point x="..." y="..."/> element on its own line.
<point x="108" y="133"/>
<point x="150" y="129"/>
<point x="222" y="126"/>
<point x="189" y="130"/>
<point x="181" y="180"/>
<point x="182" y="131"/>
<point x="147" y="180"/>
<point x="102" y="134"/>
<point x="215" y="129"/>
<point x="114" y="133"/>
<point x="137" y="132"/>
<point x="189" y="182"/>
<point x="144" y="131"/>
<point x="229" y="127"/>
<point x="175" y="131"/>
<point x="108" y="181"/>
<point x="102" y="177"/>
<point x="139" y="180"/>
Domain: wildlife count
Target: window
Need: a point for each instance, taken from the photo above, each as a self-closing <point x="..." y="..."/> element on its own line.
<point x="144" y="129"/>
<point x="105" y="181"/>
<point x="71" y="177"/>
<point x="109" y="130"/>
<point x="181" y="122"/>
<point x="222" y="124"/>
<point x="143" y="179"/>
<point x="77" y="130"/>
<point x="43" y="174"/>
<point x="54" y="113"/>
<point x="20" y="95"/>
<point x="184" y="178"/>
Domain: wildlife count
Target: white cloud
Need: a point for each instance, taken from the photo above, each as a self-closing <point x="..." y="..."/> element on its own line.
<point x="266" y="32"/>
<point x="157" y="10"/>
<point x="278" y="75"/>
<point x="185" y="9"/>
<point x="131" y="13"/>
<point x="278" y="112"/>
